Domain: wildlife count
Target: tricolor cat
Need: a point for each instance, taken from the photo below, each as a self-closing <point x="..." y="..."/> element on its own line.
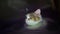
<point x="34" y="20"/>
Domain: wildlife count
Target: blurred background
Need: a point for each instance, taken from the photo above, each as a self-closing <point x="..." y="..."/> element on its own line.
<point x="12" y="13"/>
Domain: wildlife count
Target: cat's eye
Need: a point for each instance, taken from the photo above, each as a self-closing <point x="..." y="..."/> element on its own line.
<point x="28" y="19"/>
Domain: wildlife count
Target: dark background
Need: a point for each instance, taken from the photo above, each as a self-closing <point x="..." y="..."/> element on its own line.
<point x="12" y="13"/>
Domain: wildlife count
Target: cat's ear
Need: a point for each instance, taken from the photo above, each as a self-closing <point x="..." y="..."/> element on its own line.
<point x="38" y="11"/>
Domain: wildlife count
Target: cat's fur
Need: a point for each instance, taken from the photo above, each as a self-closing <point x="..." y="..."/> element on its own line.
<point x="35" y="24"/>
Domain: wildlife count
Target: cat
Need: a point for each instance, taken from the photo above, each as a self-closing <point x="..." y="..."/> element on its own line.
<point x="34" y="20"/>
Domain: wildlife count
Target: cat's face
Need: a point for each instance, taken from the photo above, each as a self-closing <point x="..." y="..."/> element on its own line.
<point x="33" y="18"/>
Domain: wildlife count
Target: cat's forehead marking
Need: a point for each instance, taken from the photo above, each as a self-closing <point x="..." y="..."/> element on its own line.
<point x="30" y="15"/>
